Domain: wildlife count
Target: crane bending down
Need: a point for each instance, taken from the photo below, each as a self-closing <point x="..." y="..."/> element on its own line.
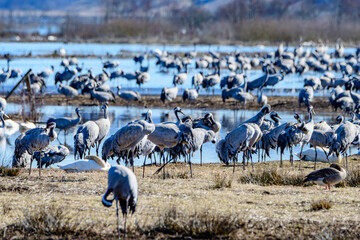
<point x="85" y="138"/>
<point x="123" y="184"/>
<point x="35" y="140"/>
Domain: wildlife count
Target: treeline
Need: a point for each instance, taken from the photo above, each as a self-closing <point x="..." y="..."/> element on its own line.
<point x="239" y="20"/>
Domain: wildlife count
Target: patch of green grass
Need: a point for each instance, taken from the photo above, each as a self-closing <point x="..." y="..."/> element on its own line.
<point x="320" y="205"/>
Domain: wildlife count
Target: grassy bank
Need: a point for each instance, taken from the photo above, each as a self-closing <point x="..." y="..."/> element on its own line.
<point x="253" y="204"/>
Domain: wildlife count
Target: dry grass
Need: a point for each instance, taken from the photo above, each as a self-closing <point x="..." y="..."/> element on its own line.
<point x="10" y="172"/>
<point x="60" y="205"/>
<point x="222" y="181"/>
<point x="273" y="176"/>
<point x="320" y="205"/>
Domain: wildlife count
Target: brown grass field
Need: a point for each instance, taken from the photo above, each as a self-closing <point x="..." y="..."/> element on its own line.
<point x="264" y="203"/>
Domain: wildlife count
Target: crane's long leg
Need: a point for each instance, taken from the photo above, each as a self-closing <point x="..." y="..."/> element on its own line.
<point x="291" y="157"/>
<point x="201" y="155"/>
<point x="302" y="146"/>
<point x="65" y="133"/>
<point x="40" y="165"/>
<point x="252" y="163"/>
<point x="315" y="158"/>
<point x="281" y="160"/>
<point x="125" y="216"/>
<point x="190" y="164"/>
<point x="144" y="166"/>
<point x="117" y="219"/>
<point x="327" y="156"/>
<point x="30" y="165"/>
<point x="244" y="160"/>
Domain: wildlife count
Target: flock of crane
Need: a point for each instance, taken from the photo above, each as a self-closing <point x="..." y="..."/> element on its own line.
<point x="173" y="141"/>
<point x="211" y="73"/>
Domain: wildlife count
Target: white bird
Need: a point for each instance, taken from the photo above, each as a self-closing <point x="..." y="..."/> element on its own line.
<point x="2" y="104"/>
<point x="123" y="185"/>
<point x="11" y="127"/>
<point x="104" y="128"/>
<point x="25" y="126"/>
<point x="3" y="127"/>
<point x="321" y="155"/>
<point x="90" y="163"/>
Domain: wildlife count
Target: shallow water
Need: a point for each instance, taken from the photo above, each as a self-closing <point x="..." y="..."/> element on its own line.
<point x="120" y="116"/>
<point x="158" y="79"/>
<point x="99" y="49"/>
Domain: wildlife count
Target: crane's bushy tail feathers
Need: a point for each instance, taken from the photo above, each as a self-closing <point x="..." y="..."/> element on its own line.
<point x="105" y="202"/>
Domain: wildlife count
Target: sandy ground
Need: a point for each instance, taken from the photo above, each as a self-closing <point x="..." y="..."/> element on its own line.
<point x="178" y="206"/>
<point x="321" y="104"/>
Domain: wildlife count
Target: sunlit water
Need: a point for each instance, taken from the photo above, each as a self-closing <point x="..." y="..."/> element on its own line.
<point x="99" y="49"/>
<point x="120" y="116"/>
<point x="158" y="79"/>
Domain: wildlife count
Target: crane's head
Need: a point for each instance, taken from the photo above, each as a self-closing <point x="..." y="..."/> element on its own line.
<point x="339" y="119"/>
<point x="3" y="114"/>
<point x="104" y="107"/>
<point x="178" y="110"/>
<point x="51" y="125"/>
<point x="311" y="109"/>
<point x="274" y="114"/>
<point x="266" y="109"/>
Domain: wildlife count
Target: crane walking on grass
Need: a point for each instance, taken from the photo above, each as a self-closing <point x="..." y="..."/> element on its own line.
<point x="123" y="184"/>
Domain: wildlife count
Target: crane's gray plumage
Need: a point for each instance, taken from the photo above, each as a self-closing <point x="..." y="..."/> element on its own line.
<point x="68" y="91"/>
<point x="104" y="128"/>
<point x="123" y="184"/>
<point x="169" y="94"/>
<point x="128" y="95"/>
<point x="85" y="138"/>
<point x="259" y="117"/>
<point x="191" y="94"/>
<point x="33" y="140"/>
<point x="344" y="135"/>
<point x="306" y="95"/>
<point x="51" y="155"/>
<point x="102" y="97"/>
<point x="65" y="123"/>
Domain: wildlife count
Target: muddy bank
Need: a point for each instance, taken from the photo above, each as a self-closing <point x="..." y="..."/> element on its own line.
<point x="321" y="104"/>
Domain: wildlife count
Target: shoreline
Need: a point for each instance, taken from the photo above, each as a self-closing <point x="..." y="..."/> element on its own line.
<point x="278" y="103"/>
